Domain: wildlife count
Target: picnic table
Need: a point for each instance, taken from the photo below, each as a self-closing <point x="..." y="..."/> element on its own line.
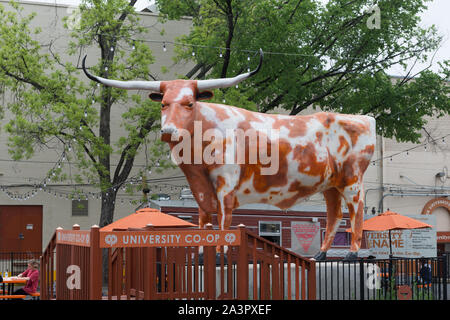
<point x="11" y="281"/>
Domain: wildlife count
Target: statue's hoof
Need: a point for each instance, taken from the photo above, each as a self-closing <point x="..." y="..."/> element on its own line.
<point x="320" y="256"/>
<point x="351" y="256"/>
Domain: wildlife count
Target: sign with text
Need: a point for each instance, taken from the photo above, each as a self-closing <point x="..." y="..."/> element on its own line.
<point x="191" y="238"/>
<point x="305" y="237"/>
<point x="443" y="237"/>
<point x="73" y="237"/>
<point x="407" y="243"/>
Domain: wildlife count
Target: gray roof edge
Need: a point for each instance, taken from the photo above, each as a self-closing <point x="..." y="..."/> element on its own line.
<point x="256" y="206"/>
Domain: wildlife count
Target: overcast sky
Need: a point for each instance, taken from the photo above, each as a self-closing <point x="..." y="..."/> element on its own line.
<point x="437" y="14"/>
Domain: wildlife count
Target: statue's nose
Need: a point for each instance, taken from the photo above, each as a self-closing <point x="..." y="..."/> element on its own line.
<point x="168" y="130"/>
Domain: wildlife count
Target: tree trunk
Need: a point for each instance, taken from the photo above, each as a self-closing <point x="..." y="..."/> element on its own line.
<point x="106" y="217"/>
<point x="107" y="210"/>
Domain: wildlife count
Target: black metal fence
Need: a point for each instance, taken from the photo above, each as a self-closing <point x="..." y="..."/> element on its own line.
<point x="383" y="279"/>
<point x="16" y="262"/>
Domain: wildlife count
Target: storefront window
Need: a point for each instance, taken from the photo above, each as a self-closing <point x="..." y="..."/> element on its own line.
<point x="341" y="239"/>
<point x="270" y="230"/>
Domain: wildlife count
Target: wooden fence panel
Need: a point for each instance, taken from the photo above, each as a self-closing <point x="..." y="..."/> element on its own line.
<point x="252" y="267"/>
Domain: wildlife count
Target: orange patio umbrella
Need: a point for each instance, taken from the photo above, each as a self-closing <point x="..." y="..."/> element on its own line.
<point x="390" y="220"/>
<point x="142" y="217"/>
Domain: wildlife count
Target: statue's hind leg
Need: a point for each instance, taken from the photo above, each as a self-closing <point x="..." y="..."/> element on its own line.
<point x="334" y="216"/>
<point x="354" y="197"/>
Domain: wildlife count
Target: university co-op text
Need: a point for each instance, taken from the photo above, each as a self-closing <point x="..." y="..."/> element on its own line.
<point x="169" y="238"/>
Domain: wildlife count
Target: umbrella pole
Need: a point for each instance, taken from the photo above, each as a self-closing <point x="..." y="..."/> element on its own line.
<point x="390" y="244"/>
<point x="390" y="263"/>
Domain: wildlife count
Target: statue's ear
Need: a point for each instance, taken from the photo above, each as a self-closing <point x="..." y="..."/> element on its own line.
<point x="204" y="95"/>
<point x="156" y="96"/>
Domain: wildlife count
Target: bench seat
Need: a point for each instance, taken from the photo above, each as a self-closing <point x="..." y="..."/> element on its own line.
<point x="35" y="295"/>
<point x="13" y="296"/>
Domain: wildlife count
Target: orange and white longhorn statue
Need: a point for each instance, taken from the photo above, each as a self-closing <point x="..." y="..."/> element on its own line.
<point x="232" y="156"/>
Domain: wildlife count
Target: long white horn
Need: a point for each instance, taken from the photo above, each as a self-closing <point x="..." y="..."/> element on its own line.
<point x="130" y="85"/>
<point x="228" y="82"/>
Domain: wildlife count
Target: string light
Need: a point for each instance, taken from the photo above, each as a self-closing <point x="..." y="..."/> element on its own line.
<point x="424" y="145"/>
<point x="80" y="194"/>
<point x="221" y="49"/>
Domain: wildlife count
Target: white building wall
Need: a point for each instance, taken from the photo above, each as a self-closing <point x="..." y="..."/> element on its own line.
<point x="413" y="173"/>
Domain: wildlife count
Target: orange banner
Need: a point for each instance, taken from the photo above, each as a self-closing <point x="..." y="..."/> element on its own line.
<point x="191" y="238"/>
<point x="73" y="237"/>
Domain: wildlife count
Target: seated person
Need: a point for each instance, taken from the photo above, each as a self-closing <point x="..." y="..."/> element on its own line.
<point x="32" y="273"/>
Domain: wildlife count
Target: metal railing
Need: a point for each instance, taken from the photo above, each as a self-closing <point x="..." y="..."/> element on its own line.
<point x="383" y="279"/>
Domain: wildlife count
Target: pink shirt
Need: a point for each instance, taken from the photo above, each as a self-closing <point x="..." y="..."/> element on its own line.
<point x="32" y="283"/>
